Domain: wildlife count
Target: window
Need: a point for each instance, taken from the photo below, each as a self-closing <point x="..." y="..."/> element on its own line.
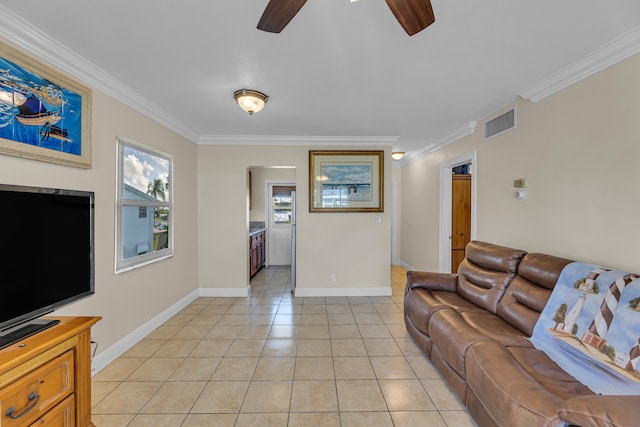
<point x="144" y="220"/>
<point x="282" y="204"/>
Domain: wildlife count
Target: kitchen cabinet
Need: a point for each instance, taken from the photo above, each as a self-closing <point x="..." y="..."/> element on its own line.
<point x="256" y="252"/>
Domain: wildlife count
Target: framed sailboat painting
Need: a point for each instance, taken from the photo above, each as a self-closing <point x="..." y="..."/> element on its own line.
<point x="44" y="114"/>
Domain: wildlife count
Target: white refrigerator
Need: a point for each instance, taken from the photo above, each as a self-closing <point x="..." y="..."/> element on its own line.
<point x="293" y="242"/>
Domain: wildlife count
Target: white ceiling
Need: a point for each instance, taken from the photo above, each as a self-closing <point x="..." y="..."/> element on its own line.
<point x="339" y="72"/>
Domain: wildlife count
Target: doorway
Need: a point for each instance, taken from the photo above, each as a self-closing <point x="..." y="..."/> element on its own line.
<point x="280" y="216"/>
<point x="258" y="204"/>
<point x="461" y="181"/>
<point x="457" y="220"/>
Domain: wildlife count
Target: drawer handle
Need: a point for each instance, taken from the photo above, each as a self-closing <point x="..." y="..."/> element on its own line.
<point x="34" y="398"/>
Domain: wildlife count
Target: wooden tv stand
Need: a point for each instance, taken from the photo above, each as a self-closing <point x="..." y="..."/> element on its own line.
<point x="45" y="379"/>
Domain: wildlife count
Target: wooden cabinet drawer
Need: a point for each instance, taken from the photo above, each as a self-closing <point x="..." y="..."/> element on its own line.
<point x="30" y="397"/>
<point x="60" y="416"/>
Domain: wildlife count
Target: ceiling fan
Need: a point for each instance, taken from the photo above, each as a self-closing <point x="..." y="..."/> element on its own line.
<point x="413" y="15"/>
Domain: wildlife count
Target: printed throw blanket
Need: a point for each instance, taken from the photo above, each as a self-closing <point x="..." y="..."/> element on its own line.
<point x="591" y="328"/>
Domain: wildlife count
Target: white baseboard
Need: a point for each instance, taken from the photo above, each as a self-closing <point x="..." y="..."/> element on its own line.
<point x="405" y="265"/>
<point x="119" y="348"/>
<point x="377" y="291"/>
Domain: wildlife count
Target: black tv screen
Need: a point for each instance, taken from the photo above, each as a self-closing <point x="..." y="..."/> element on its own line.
<point x="46" y="251"/>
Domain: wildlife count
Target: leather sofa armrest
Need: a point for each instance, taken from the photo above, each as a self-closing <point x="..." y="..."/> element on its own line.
<point x="601" y="411"/>
<point x="432" y="281"/>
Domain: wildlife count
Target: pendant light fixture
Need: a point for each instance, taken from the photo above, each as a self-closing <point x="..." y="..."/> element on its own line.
<point x="250" y="100"/>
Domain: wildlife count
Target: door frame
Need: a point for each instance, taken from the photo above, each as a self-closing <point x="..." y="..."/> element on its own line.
<point x="394" y="223"/>
<point x="446" y="170"/>
<point x="267" y="208"/>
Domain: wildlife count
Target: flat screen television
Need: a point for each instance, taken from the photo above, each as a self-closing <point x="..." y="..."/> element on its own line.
<point x="46" y="255"/>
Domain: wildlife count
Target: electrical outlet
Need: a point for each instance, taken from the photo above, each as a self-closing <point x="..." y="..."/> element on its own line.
<point x="334" y="277"/>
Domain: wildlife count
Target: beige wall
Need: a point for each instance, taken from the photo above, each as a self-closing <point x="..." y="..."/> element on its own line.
<point x="352" y="245"/>
<point x="127" y="300"/>
<point x="578" y="150"/>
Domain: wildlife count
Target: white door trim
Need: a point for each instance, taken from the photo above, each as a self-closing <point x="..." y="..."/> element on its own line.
<point x="445" y="205"/>
<point x="394" y="223"/>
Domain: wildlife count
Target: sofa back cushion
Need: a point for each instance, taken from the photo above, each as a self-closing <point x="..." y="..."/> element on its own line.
<point x="485" y="273"/>
<point x="526" y="295"/>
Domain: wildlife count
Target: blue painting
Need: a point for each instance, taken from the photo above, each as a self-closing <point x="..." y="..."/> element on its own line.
<point x="38" y="112"/>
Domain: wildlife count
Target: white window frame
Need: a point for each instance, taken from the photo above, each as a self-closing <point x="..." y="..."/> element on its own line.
<point x="121" y="264"/>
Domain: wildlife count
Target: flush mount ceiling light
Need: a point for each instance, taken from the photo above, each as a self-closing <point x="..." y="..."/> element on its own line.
<point x="397" y="155"/>
<point x="249" y="100"/>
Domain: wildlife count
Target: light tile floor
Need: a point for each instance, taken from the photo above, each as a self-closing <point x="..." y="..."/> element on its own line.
<point x="275" y="360"/>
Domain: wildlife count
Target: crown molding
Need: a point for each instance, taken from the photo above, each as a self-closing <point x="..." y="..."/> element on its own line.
<point x="23" y="35"/>
<point x="296" y="140"/>
<point x="455" y="136"/>
<point x="611" y="53"/>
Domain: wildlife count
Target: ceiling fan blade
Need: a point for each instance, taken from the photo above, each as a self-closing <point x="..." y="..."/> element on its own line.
<point x="278" y="13"/>
<point x="413" y="15"/>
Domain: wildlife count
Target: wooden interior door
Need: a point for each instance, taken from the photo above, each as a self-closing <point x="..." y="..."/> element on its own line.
<point x="460" y="217"/>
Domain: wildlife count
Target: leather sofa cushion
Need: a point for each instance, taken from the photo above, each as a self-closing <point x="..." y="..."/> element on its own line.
<point x="420" y="339"/>
<point x="542" y="269"/>
<point x="522" y="303"/>
<point x="432" y="281"/>
<point x="494" y="257"/>
<point x="521" y="386"/>
<point x="452" y="336"/>
<point x="546" y="372"/>
<point x="482" y="287"/>
<point x="452" y="332"/>
<point x="528" y="293"/>
<point x="455" y="301"/>
<point x="495" y="328"/>
<point x="419" y="306"/>
<point x="601" y="411"/>
<point x="456" y="383"/>
<point x="486" y="271"/>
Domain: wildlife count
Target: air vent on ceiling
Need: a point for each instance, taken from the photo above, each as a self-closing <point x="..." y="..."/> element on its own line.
<point x="503" y="123"/>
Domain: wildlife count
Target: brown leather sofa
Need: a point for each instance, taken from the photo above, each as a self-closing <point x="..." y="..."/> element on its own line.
<point x="474" y="327"/>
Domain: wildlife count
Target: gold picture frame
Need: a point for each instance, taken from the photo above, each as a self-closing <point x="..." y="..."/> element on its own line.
<point x="44" y="114"/>
<point x="346" y="181"/>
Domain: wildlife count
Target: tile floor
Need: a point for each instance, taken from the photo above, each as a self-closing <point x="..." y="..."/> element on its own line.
<point x="275" y="360"/>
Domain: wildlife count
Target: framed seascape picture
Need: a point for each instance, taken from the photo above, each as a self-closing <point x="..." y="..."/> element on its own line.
<point x="346" y="181"/>
<point x="44" y="115"/>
